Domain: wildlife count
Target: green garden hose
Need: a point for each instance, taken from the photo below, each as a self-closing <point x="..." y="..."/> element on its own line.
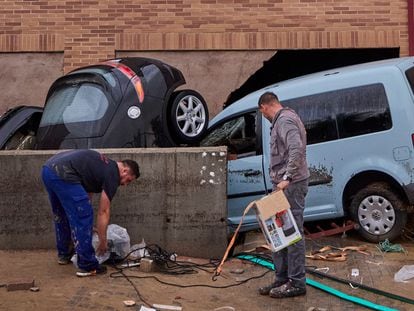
<point x="330" y="290"/>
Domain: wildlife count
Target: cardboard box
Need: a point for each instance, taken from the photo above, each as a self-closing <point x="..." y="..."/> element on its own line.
<point x="276" y="220"/>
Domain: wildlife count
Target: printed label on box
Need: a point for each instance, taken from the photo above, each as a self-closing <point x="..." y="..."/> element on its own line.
<point x="277" y="222"/>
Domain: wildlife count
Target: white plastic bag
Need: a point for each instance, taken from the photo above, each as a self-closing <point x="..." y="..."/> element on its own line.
<point x="405" y="273"/>
<point x="118" y="243"/>
<point x="139" y="251"/>
<point x="118" y="240"/>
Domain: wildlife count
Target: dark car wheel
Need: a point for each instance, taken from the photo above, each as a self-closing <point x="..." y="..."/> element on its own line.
<point x="378" y="210"/>
<point x="188" y="116"/>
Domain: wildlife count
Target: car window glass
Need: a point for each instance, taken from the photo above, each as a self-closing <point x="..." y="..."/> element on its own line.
<point x="362" y="111"/>
<point x="343" y="113"/>
<point x="410" y="76"/>
<point x="79" y="103"/>
<point x="238" y="134"/>
<point x="317" y="115"/>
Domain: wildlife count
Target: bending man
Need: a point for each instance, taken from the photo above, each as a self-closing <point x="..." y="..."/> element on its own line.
<point x="70" y="178"/>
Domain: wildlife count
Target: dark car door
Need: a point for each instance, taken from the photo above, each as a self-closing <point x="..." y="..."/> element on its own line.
<point x="18" y="127"/>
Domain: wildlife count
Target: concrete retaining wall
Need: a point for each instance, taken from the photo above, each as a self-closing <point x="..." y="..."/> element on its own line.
<point x="179" y="202"/>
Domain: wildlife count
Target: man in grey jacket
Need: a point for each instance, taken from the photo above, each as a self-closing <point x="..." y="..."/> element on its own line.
<point x="289" y="172"/>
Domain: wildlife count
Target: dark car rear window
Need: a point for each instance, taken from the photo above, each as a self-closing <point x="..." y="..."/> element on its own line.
<point x="78" y="103"/>
<point x="83" y="109"/>
<point x="410" y="77"/>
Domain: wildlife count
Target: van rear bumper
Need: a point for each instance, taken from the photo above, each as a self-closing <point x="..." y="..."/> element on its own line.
<point x="409" y="192"/>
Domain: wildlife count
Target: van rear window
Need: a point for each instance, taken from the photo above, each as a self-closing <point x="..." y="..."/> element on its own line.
<point x="410" y="77"/>
<point x="343" y="113"/>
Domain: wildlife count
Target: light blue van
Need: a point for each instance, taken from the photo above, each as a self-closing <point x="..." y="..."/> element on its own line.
<point x="360" y="131"/>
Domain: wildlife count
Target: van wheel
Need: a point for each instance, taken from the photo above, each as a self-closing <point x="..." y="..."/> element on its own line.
<point x="379" y="212"/>
<point x="188" y="116"/>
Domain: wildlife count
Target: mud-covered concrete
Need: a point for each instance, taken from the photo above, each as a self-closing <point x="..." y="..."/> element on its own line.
<point x="25" y="78"/>
<point x="60" y="289"/>
<point x="179" y="202"/>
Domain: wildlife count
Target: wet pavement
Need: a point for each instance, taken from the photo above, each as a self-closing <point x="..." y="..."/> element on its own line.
<point x="60" y="289"/>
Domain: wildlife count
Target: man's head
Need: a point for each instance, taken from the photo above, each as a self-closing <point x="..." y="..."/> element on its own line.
<point x="269" y="105"/>
<point x="128" y="171"/>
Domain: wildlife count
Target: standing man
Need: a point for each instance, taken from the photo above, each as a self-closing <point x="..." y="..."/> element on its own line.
<point x="70" y="178"/>
<point x="288" y="172"/>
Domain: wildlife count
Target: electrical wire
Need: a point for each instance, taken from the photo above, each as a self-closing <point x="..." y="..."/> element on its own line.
<point x="168" y="264"/>
<point x="133" y="285"/>
<point x="114" y="275"/>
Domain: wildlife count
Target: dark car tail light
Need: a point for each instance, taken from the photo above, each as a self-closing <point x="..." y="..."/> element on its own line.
<point x="136" y="81"/>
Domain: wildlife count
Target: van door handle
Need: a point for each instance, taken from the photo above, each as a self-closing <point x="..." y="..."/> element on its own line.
<point x="252" y="173"/>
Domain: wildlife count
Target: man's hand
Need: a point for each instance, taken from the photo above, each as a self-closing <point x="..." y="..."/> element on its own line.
<point x="102" y="247"/>
<point x="283" y="184"/>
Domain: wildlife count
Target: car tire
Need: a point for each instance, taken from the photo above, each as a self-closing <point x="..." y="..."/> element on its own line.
<point x="188" y="116"/>
<point x="379" y="212"/>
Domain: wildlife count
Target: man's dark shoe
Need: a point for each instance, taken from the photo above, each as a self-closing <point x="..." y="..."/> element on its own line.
<point x="287" y="290"/>
<point x="64" y="260"/>
<point x="265" y="290"/>
<point x="100" y="270"/>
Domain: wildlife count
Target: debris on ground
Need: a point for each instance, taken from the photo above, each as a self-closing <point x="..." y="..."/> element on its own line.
<point x="129" y="303"/>
<point x="404" y="274"/>
<point x="20" y="285"/>
<point x="237" y="271"/>
<point x="330" y="253"/>
<point x="388" y="247"/>
<point x="166" y="307"/>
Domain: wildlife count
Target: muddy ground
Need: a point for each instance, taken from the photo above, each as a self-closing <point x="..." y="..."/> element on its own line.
<point x="60" y="289"/>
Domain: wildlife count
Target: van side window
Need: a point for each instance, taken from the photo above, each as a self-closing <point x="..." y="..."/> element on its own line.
<point x="410" y="77"/>
<point x="238" y="134"/>
<point x="318" y="116"/>
<point x="343" y="113"/>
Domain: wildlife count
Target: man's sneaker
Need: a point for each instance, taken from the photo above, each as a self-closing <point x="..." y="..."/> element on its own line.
<point x="265" y="290"/>
<point x="64" y="260"/>
<point x="287" y="290"/>
<point x="100" y="270"/>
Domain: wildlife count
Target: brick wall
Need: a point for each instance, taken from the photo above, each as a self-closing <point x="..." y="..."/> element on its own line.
<point x="88" y="31"/>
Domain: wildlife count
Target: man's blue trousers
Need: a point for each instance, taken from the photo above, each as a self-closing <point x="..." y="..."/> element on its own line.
<point x="73" y="218"/>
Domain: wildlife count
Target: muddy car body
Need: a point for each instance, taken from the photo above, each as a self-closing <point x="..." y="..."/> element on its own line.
<point x="360" y="132"/>
<point x="120" y="103"/>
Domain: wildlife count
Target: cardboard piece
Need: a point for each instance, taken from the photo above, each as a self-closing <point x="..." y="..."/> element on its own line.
<point x="276" y="221"/>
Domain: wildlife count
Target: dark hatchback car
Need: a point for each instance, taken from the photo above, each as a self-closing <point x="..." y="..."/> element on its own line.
<point x="120" y="103"/>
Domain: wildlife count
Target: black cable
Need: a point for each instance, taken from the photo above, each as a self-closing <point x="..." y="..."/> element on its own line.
<point x="114" y="275"/>
<point x="133" y="285"/>
<point x="163" y="257"/>
<point x="171" y="266"/>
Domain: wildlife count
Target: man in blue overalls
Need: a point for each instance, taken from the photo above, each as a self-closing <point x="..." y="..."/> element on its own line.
<point x="70" y="178"/>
